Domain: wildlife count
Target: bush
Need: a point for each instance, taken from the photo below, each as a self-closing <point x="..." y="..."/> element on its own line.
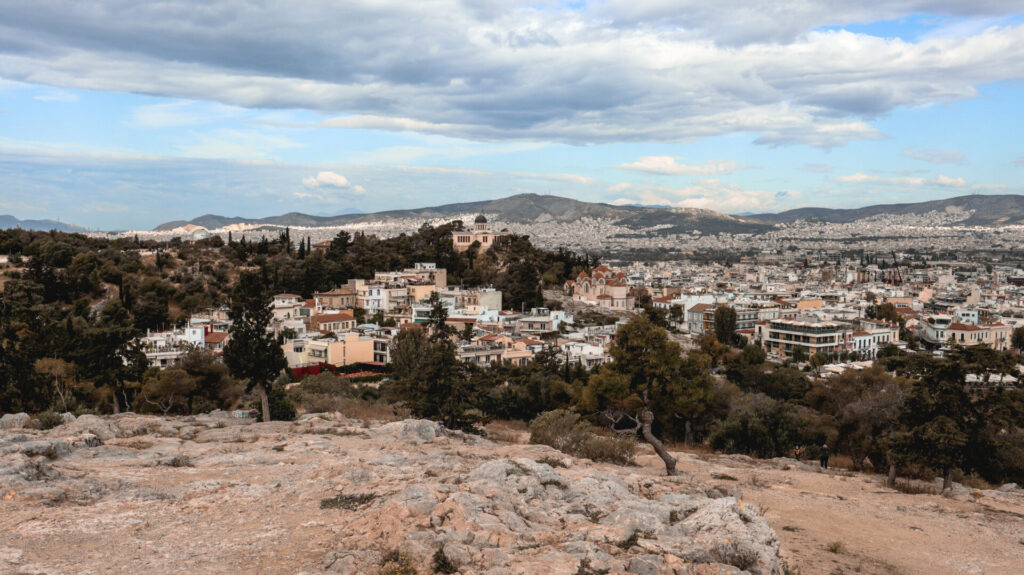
<point x="281" y="406"/>
<point x="396" y="563"/>
<point x="564" y="431"/>
<point x="48" y="420"/>
<point x="765" y="428"/>
<point x="350" y="502"/>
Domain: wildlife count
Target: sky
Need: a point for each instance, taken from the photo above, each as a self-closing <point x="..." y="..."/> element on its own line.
<point x="118" y="114"/>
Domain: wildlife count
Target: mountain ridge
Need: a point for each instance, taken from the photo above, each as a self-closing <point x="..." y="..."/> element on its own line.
<point x="520" y="208"/>
<point x="989" y="210"/>
<point x="8" y="221"/>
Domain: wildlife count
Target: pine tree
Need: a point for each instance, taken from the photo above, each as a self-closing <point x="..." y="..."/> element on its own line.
<point x="252" y="353"/>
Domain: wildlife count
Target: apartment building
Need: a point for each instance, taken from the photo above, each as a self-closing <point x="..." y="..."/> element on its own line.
<point x="782" y="337"/>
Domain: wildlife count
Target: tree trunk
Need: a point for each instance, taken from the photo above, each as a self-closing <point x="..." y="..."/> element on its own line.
<point x="264" y="402"/>
<point x="947" y="480"/>
<point x="117" y="406"/>
<point x="646" y="419"/>
<point x="688" y="438"/>
<point x="890" y="480"/>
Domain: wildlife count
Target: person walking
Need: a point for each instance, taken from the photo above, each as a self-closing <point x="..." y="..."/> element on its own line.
<point x="824" y="456"/>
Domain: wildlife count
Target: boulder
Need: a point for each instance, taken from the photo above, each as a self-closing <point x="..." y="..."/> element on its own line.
<point x="86" y="424"/>
<point x="411" y="430"/>
<point x="14" y="420"/>
<point x="417" y="499"/>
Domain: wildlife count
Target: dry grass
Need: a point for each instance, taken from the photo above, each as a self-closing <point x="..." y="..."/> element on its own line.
<point x="506" y="432"/>
<point x="367" y="411"/>
<point x="915" y="487"/>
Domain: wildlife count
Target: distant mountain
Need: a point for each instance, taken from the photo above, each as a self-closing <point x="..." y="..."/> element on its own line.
<point x="521" y="208"/>
<point x="994" y="210"/>
<point x="10" y="222"/>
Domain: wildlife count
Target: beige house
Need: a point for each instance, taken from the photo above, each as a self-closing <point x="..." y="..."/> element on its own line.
<point x="337" y="298"/>
<point x="480" y="232"/>
<point x="343" y="349"/>
<point x="333" y="322"/>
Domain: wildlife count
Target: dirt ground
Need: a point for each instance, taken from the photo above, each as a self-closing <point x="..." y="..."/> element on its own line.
<point x="834" y="522"/>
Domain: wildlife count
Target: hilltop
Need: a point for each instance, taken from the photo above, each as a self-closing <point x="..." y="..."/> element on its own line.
<point x="325" y="494"/>
<point x="988" y="210"/>
<point x="11" y="222"/>
<point x="521" y="208"/>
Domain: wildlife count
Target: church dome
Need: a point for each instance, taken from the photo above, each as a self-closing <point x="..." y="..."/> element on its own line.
<point x="480" y="219"/>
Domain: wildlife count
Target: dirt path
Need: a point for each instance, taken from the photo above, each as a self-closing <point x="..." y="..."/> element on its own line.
<point x="842" y="522"/>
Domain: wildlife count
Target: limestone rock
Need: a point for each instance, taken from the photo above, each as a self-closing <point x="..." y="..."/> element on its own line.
<point x="412" y="430"/>
<point x="14" y="420"/>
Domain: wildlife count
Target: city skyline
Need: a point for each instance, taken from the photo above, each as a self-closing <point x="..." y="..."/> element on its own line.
<point x="115" y="117"/>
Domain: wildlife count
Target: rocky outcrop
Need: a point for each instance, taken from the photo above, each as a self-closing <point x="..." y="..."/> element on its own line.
<point x="330" y="495"/>
<point x="14" y="420"/>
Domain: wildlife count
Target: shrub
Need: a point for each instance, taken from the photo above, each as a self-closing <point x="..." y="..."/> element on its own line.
<point x="48" y="420"/>
<point x="349" y="502"/>
<point x="913" y="487"/>
<point x="442" y="564"/>
<point x="281" y="406"/>
<point x="179" y="461"/>
<point x="551" y="461"/>
<point x="564" y="431"/>
<point x="396" y="563"/>
<point x="835" y="547"/>
<point x="732" y="554"/>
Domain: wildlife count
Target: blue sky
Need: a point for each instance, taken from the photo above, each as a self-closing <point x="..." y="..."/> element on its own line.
<point x="117" y="114"/>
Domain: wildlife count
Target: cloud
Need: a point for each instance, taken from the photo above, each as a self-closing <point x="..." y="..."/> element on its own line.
<point x="326" y="179"/>
<point x="57" y="96"/>
<point x="816" y="168"/>
<point x="182" y="113"/>
<point x="940" y="181"/>
<point x="935" y="156"/>
<point x="667" y="165"/>
<point x="708" y="194"/>
<point x="236" y="144"/>
<point x="571" y="178"/>
<point x="642" y="70"/>
<point x="1019" y="161"/>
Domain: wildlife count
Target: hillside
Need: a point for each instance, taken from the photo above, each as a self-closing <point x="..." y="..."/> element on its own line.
<point x="216" y="494"/>
<point x="225" y="495"/>
<point x="10" y="222"/>
<point x="521" y="208"/>
<point x="989" y="210"/>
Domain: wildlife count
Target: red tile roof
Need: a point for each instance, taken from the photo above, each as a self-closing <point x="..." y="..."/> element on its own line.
<point x="216" y="336"/>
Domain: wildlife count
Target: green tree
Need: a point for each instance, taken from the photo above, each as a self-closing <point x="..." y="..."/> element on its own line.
<point x="429" y="378"/>
<point x="1017" y="339"/>
<point x="252" y="353"/>
<point x="725" y="324"/>
<point x="938" y="417"/>
<point x="645" y="384"/>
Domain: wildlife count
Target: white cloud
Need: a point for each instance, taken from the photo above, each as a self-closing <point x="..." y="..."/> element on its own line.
<point x="331" y="180"/>
<point x="572" y="178"/>
<point x="708" y="194"/>
<point x="182" y="113"/>
<point x="58" y="96"/>
<point x="939" y="181"/>
<point x="236" y="144"/>
<point x="667" y="165"/>
<point x="659" y="70"/>
<point x="327" y="179"/>
<point x="935" y="156"/>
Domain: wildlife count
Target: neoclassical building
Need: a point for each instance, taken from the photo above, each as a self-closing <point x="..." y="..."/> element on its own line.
<point x="603" y="287"/>
<point x="480" y="232"/>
